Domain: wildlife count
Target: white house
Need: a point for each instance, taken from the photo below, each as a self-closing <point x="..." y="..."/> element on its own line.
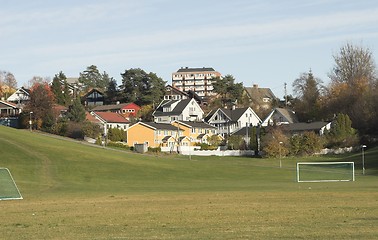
<point x="228" y="121"/>
<point x="108" y="120"/>
<point x="279" y="116"/>
<point x="20" y="97"/>
<point x="182" y="110"/>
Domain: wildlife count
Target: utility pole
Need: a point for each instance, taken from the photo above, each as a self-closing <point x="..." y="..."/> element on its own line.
<point x="285" y="94"/>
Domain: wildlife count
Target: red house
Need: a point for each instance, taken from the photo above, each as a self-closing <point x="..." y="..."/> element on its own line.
<point x="125" y="109"/>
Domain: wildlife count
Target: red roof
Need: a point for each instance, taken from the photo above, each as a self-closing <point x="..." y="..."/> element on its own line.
<point x="91" y="118"/>
<point x="111" y="117"/>
<point x="9" y="103"/>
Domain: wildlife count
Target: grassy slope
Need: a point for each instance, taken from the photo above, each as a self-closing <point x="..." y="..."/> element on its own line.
<point x="72" y="191"/>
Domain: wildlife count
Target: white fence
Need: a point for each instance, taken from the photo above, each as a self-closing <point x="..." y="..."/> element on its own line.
<point x="194" y="151"/>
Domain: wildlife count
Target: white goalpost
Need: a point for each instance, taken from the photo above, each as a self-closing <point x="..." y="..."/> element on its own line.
<point x="325" y="171"/>
<point x="8" y="188"/>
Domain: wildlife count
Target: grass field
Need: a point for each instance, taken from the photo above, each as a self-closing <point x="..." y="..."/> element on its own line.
<point x="75" y="191"/>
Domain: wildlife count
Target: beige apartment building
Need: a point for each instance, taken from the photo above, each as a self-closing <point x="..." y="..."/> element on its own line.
<point x="198" y="80"/>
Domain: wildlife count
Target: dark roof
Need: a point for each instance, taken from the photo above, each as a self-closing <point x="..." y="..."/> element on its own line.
<point x="311" y="126"/>
<point x="171" y="89"/>
<point x="177" y="110"/>
<point x="196" y="124"/>
<point x="204" y="69"/>
<point x="26" y="90"/>
<point x="288" y="114"/>
<point x="166" y="138"/>
<point x="110" y="107"/>
<point x="232" y="114"/>
<point x="93" y="90"/>
<point x="200" y="136"/>
<point x="160" y="126"/>
<point x="241" y="132"/>
<point x="236" y="113"/>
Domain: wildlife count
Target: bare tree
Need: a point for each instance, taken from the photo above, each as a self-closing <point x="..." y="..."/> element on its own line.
<point x="353" y="80"/>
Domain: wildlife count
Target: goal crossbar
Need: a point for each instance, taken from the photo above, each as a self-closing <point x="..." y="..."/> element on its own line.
<point x="325" y="172"/>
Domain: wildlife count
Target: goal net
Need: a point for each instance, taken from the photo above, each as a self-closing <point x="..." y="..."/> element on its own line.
<point x="8" y="188"/>
<point x="325" y="171"/>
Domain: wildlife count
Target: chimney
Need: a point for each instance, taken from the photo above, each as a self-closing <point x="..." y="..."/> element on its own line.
<point x="255" y="86"/>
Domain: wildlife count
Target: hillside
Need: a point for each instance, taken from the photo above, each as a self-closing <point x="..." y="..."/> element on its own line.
<point x="41" y="163"/>
<point x="73" y="190"/>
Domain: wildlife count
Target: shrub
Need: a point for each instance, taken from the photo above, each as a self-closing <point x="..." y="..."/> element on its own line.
<point x="154" y="150"/>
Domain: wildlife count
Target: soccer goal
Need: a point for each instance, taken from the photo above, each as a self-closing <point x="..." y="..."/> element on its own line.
<point x="8" y="188"/>
<point x="325" y="171"/>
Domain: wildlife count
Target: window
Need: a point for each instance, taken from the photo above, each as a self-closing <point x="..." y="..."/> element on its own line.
<point x="193" y="130"/>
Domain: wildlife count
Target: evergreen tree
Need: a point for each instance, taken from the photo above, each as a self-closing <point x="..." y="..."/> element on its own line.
<point x="60" y="92"/>
<point x="92" y="78"/>
<point x="341" y="133"/>
<point x="228" y="89"/>
<point x="111" y="94"/>
<point x="76" y="112"/>
<point x="141" y="88"/>
<point x="308" y="90"/>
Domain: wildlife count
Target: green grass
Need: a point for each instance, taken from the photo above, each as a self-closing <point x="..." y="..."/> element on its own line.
<point x="75" y="191"/>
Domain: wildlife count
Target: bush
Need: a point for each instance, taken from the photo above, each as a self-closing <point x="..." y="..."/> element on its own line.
<point x="341" y="133"/>
<point x="75" y="130"/>
<point x="205" y="146"/>
<point x="91" y="130"/>
<point x="116" y="135"/>
<point x="154" y="150"/>
<point x="118" y="145"/>
<point x="307" y="144"/>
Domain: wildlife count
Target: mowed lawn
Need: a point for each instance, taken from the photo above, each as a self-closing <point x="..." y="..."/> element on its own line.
<point x="72" y="190"/>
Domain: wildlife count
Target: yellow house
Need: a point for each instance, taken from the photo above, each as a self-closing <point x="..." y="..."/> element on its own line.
<point x="197" y="132"/>
<point x="153" y="134"/>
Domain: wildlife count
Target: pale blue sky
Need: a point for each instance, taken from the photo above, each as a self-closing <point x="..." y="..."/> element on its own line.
<point x="262" y="42"/>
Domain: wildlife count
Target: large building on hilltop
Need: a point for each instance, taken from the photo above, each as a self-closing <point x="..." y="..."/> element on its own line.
<point x="198" y="80"/>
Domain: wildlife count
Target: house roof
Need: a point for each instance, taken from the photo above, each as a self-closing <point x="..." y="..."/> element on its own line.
<point x="7" y="104"/>
<point x="157" y="126"/>
<point x="288" y="114"/>
<point x="232" y="114"/>
<point x="111" y="117"/>
<point x="241" y="132"/>
<point x="171" y="89"/>
<point x="91" y="118"/>
<point x="166" y="138"/>
<point x="258" y="94"/>
<point x="72" y="80"/>
<point x="177" y="110"/>
<point x="195" y="124"/>
<point x="111" y="107"/>
<point x="93" y="90"/>
<point x="311" y="126"/>
<point x="204" y="69"/>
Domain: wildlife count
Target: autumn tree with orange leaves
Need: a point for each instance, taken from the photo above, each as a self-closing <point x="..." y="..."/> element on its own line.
<point x="41" y="106"/>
